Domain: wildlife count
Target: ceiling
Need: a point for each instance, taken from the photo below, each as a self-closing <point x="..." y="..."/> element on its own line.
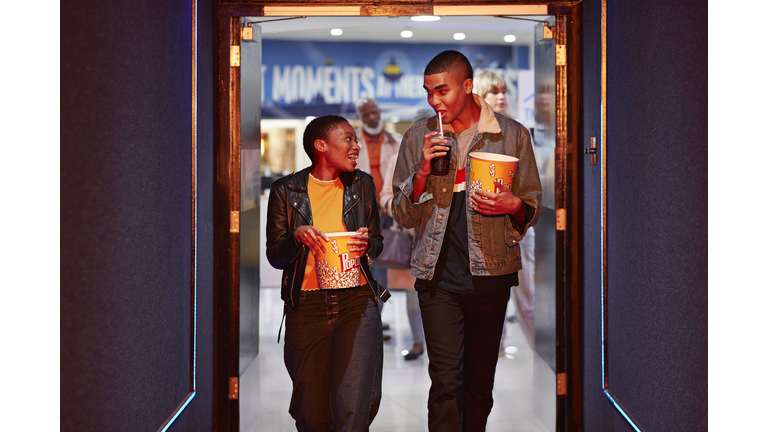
<point x="485" y="30"/>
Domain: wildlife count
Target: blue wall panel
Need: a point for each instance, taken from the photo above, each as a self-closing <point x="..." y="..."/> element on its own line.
<point x="656" y="332"/>
<point x="126" y="222"/>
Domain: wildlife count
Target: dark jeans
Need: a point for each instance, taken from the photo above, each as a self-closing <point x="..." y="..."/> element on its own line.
<point x="334" y="355"/>
<point x="463" y="332"/>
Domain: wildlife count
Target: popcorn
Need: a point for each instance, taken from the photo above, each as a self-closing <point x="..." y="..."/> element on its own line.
<point x="475" y="186"/>
<point x="331" y="277"/>
<point x="337" y="267"/>
<point x="491" y="171"/>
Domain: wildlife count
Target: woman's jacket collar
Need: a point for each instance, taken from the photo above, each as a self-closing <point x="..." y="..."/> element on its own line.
<point x="300" y="179"/>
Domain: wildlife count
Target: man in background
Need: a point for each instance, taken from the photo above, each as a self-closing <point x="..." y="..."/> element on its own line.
<point x="376" y="147"/>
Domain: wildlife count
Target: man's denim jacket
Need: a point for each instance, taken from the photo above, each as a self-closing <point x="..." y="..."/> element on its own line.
<point x="493" y="240"/>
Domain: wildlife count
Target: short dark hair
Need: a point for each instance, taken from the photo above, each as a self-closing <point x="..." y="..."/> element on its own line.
<point x="450" y="61"/>
<point x="319" y="128"/>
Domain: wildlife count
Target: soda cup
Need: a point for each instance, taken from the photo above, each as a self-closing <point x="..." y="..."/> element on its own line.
<point x="440" y="164"/>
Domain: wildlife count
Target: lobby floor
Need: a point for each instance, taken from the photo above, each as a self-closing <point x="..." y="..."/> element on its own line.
<point x="265" y="387"/>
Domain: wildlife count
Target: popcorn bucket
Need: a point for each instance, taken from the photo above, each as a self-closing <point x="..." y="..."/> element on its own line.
<point x="490" y="171"/>
<point x="335" y="268"/>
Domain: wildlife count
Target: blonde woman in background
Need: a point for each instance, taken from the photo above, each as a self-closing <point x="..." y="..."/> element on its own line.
<point x="492" y="87"/>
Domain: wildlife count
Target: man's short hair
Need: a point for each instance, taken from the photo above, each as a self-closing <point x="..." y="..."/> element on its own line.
<point x="363" y="101"/>
<point x="450" y="61"/>
<point x="319" y="128"/>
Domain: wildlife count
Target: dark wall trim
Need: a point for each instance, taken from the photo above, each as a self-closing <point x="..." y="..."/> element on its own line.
<point x="193" y="234"/>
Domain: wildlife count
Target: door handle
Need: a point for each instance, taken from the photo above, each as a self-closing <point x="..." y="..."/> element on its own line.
<point x="592" y="150"/>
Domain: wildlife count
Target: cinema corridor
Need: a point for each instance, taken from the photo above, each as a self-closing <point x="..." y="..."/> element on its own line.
<point x="265" y="387"/>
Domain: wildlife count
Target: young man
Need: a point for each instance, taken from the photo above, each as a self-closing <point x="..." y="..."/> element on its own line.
<point x="466" y="254"/>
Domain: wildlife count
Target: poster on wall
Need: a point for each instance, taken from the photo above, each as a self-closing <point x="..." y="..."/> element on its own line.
<point x="308" y="78"/>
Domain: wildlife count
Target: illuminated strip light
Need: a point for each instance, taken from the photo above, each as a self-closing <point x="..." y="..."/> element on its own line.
<point x="604" y="220"/>
<point x="176" y="413"/>
<point x="193" y="389"/>
<point x="491" y="10"/>
<point x="626" y="415"/>
<point x="312" y="10"/>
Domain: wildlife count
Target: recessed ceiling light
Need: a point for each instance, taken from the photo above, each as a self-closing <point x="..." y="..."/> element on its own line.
<point x="406" y="34"/>
<point x="425" y="18"/>
<point x="510" y="38"/>
<point x="459" y="36"/>
<point x="336" y="32"/>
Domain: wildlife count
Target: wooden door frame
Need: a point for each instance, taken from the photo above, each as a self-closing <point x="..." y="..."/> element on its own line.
<point x="569" y="158"/>
<point x="226" y="197"/>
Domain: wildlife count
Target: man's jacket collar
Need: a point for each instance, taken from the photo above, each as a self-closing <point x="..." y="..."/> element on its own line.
<point x="487" y="122"/>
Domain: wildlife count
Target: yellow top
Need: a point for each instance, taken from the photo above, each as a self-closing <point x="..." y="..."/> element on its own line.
<point x="326" y="198"/>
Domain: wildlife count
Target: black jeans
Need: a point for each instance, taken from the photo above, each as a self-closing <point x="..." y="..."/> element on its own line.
<point x="334" y="354"/>
<point x="463" y="332"/>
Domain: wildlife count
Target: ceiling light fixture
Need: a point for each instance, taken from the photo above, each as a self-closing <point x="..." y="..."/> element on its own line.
<point x="425" y="18"/>
<point x="459" y="36"/>
<point x="510" y="38"/>
<point x="406" y="34"/>
<point x="337" y="32"/>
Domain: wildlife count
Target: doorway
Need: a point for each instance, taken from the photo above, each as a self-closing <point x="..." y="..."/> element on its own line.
<point x="559" y="298"/>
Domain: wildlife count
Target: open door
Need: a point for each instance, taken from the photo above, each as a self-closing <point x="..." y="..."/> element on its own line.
<point x="250" y="192"/>
<point x="547" y="310"/>
<point x="557" y="375"/>
<point x="237" y="190"/>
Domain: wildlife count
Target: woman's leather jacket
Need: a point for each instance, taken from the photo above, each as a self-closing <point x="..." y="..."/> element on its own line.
<point x="289" y="208"/>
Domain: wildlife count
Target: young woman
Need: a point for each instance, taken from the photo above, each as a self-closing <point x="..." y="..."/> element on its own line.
<point x="492" y="87"/>
<point x="333" y="338"/>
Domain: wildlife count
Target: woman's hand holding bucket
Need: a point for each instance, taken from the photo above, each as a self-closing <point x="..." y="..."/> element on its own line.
<point x="359" y="244"/>
<point x="311" y="237"/>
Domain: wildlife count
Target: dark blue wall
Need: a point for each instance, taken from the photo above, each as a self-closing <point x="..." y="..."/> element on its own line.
<point x="656" y="334"/>
<point x="126" y="249"/>
<point x="125" y="214"/>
